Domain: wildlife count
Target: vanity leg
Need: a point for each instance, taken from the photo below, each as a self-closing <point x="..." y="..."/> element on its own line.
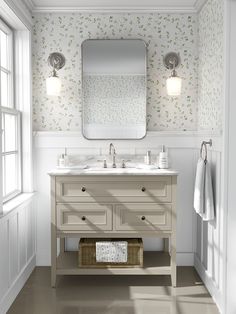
<point x="53" y="257"/>
<point x="53" y="235"/>
<point x="62" y="245"/>
<point x="173" y="302"/>
<point x="173" y="235"/>
<point x="173" y="261"/>
<point x="166" y="245"/>
<point x="53" y="278"/>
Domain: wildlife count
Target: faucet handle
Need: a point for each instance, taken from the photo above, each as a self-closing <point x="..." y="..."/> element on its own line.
<point x="104" y="162"/>
<point x="123" y="165"/>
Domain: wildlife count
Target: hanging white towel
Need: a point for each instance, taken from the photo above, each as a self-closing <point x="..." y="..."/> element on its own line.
<point x="209" y="211"/>
<point x="199" y="187"/>
<point x="111" y="251"/>
<point x="203" y="192"/>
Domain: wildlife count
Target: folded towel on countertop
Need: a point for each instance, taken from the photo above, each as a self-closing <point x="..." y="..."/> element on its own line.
<point x="203" y="192"/>
<point x="111" y="251"/>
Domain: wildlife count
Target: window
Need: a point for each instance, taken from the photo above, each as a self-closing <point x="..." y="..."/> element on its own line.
<point x="11" y="134"/>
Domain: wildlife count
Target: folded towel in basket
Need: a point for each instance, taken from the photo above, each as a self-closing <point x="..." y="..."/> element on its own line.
<point x="111" y="251"/>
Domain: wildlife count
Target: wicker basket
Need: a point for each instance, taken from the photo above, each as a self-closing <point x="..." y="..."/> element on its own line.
<point x="87" y="253"/>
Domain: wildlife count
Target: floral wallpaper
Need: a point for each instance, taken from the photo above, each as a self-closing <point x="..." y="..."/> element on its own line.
<point x="210" y="77"/>
<point x="162" y="33"/>
<point x="126" y="94"/>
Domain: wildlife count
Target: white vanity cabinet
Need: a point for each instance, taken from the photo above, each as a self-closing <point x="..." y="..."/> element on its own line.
<point x="114" y="206"/>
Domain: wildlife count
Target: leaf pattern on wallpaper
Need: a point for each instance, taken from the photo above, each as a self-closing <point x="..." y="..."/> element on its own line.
<point x="161" y="32"/>
<point x="211" y="39"/>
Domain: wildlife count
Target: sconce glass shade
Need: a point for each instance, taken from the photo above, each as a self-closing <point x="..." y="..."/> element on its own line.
<point x="53" y="85"/>
<point x="173" y="83"/>
<point x="173" y="86"/>
<point x="56" y="60"/>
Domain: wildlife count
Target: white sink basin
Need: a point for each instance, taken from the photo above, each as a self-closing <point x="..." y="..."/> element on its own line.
<point x="110" y="170"/>
<point x="78" y="167"/>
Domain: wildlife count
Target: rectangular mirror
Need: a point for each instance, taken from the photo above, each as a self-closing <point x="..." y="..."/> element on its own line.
<point x="114" y="89"/>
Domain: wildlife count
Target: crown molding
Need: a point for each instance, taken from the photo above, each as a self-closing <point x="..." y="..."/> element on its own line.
<point x="116" y="9"/>
<point x="113" y="9"/>
<point x="18" y="13"/>
<point x="199" y="5"/>
<point x="30" y="5"/>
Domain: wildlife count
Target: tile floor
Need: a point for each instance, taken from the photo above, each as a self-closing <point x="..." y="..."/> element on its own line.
<point x="114" y="295"/>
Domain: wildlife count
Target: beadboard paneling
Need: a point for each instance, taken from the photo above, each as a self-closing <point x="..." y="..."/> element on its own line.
<point x="209" y="245"/>
<point x="181" y="147"/>
<point x="196" y="245"/>
<point x="17" y="245"/>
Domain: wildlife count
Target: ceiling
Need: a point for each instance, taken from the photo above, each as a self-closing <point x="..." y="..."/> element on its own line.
<point x="114" y="5"/>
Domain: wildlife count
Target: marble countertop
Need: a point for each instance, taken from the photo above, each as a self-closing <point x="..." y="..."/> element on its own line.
<point x="112" y="171"/>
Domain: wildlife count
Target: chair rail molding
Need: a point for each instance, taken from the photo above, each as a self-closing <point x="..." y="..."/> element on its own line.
<point x="152" y="140"/>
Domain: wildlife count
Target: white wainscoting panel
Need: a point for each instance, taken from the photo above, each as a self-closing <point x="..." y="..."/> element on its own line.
<point x="4" y="260"/>
<point x="181" y="147"/>
<point x="13" y="247"/>
<point x="209" y="260"/>
<point x="199" y="244"/>
<point x="17" y="247"/>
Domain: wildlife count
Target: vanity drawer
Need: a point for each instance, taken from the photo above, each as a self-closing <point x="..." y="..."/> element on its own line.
<point x="143" y="217"/>
<point x="89" y="217"/>
<point x="113" y="189"/>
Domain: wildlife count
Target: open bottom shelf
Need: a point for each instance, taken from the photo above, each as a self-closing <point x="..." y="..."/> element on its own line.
<point x="155" y="263"/>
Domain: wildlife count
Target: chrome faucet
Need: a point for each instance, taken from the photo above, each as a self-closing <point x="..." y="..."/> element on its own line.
<point x="112" y="152"/>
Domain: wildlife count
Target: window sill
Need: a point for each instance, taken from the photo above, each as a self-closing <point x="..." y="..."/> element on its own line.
<point x="16" y="202"/>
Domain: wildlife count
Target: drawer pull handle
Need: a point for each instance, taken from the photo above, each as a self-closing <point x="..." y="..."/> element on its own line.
<point x="83" y="189"/>
<point x="143" y="189"/>
<point x="143" y="217"/>
<point x="83" y="218"/>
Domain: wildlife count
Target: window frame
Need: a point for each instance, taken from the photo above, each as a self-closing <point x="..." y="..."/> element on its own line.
<point x="12" y="110"/>
<point x="10" y="47"/>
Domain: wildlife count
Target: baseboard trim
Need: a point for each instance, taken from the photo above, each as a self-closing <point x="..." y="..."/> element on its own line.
<point x="17" y="285"/>
<point x="209" y="283"/>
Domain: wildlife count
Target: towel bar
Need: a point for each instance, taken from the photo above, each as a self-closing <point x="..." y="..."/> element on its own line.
<point x="204" y="144"/>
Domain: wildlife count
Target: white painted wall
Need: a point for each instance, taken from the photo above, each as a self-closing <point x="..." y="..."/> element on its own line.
<point x="17" y="247"/>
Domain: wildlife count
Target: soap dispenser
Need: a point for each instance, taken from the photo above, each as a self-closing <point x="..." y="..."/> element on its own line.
<point x="163" y="158"/>
<point x="63" y="161"/>
<point x="147" y="158"/>
<point x="66" y="158"/>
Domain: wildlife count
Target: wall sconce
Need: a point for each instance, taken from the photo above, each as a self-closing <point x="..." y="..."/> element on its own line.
<point x="57" y="61"/>
<point x="174" y="82"/>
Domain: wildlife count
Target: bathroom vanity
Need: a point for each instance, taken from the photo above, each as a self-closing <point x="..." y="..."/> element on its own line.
<point x="113" y="203"/>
